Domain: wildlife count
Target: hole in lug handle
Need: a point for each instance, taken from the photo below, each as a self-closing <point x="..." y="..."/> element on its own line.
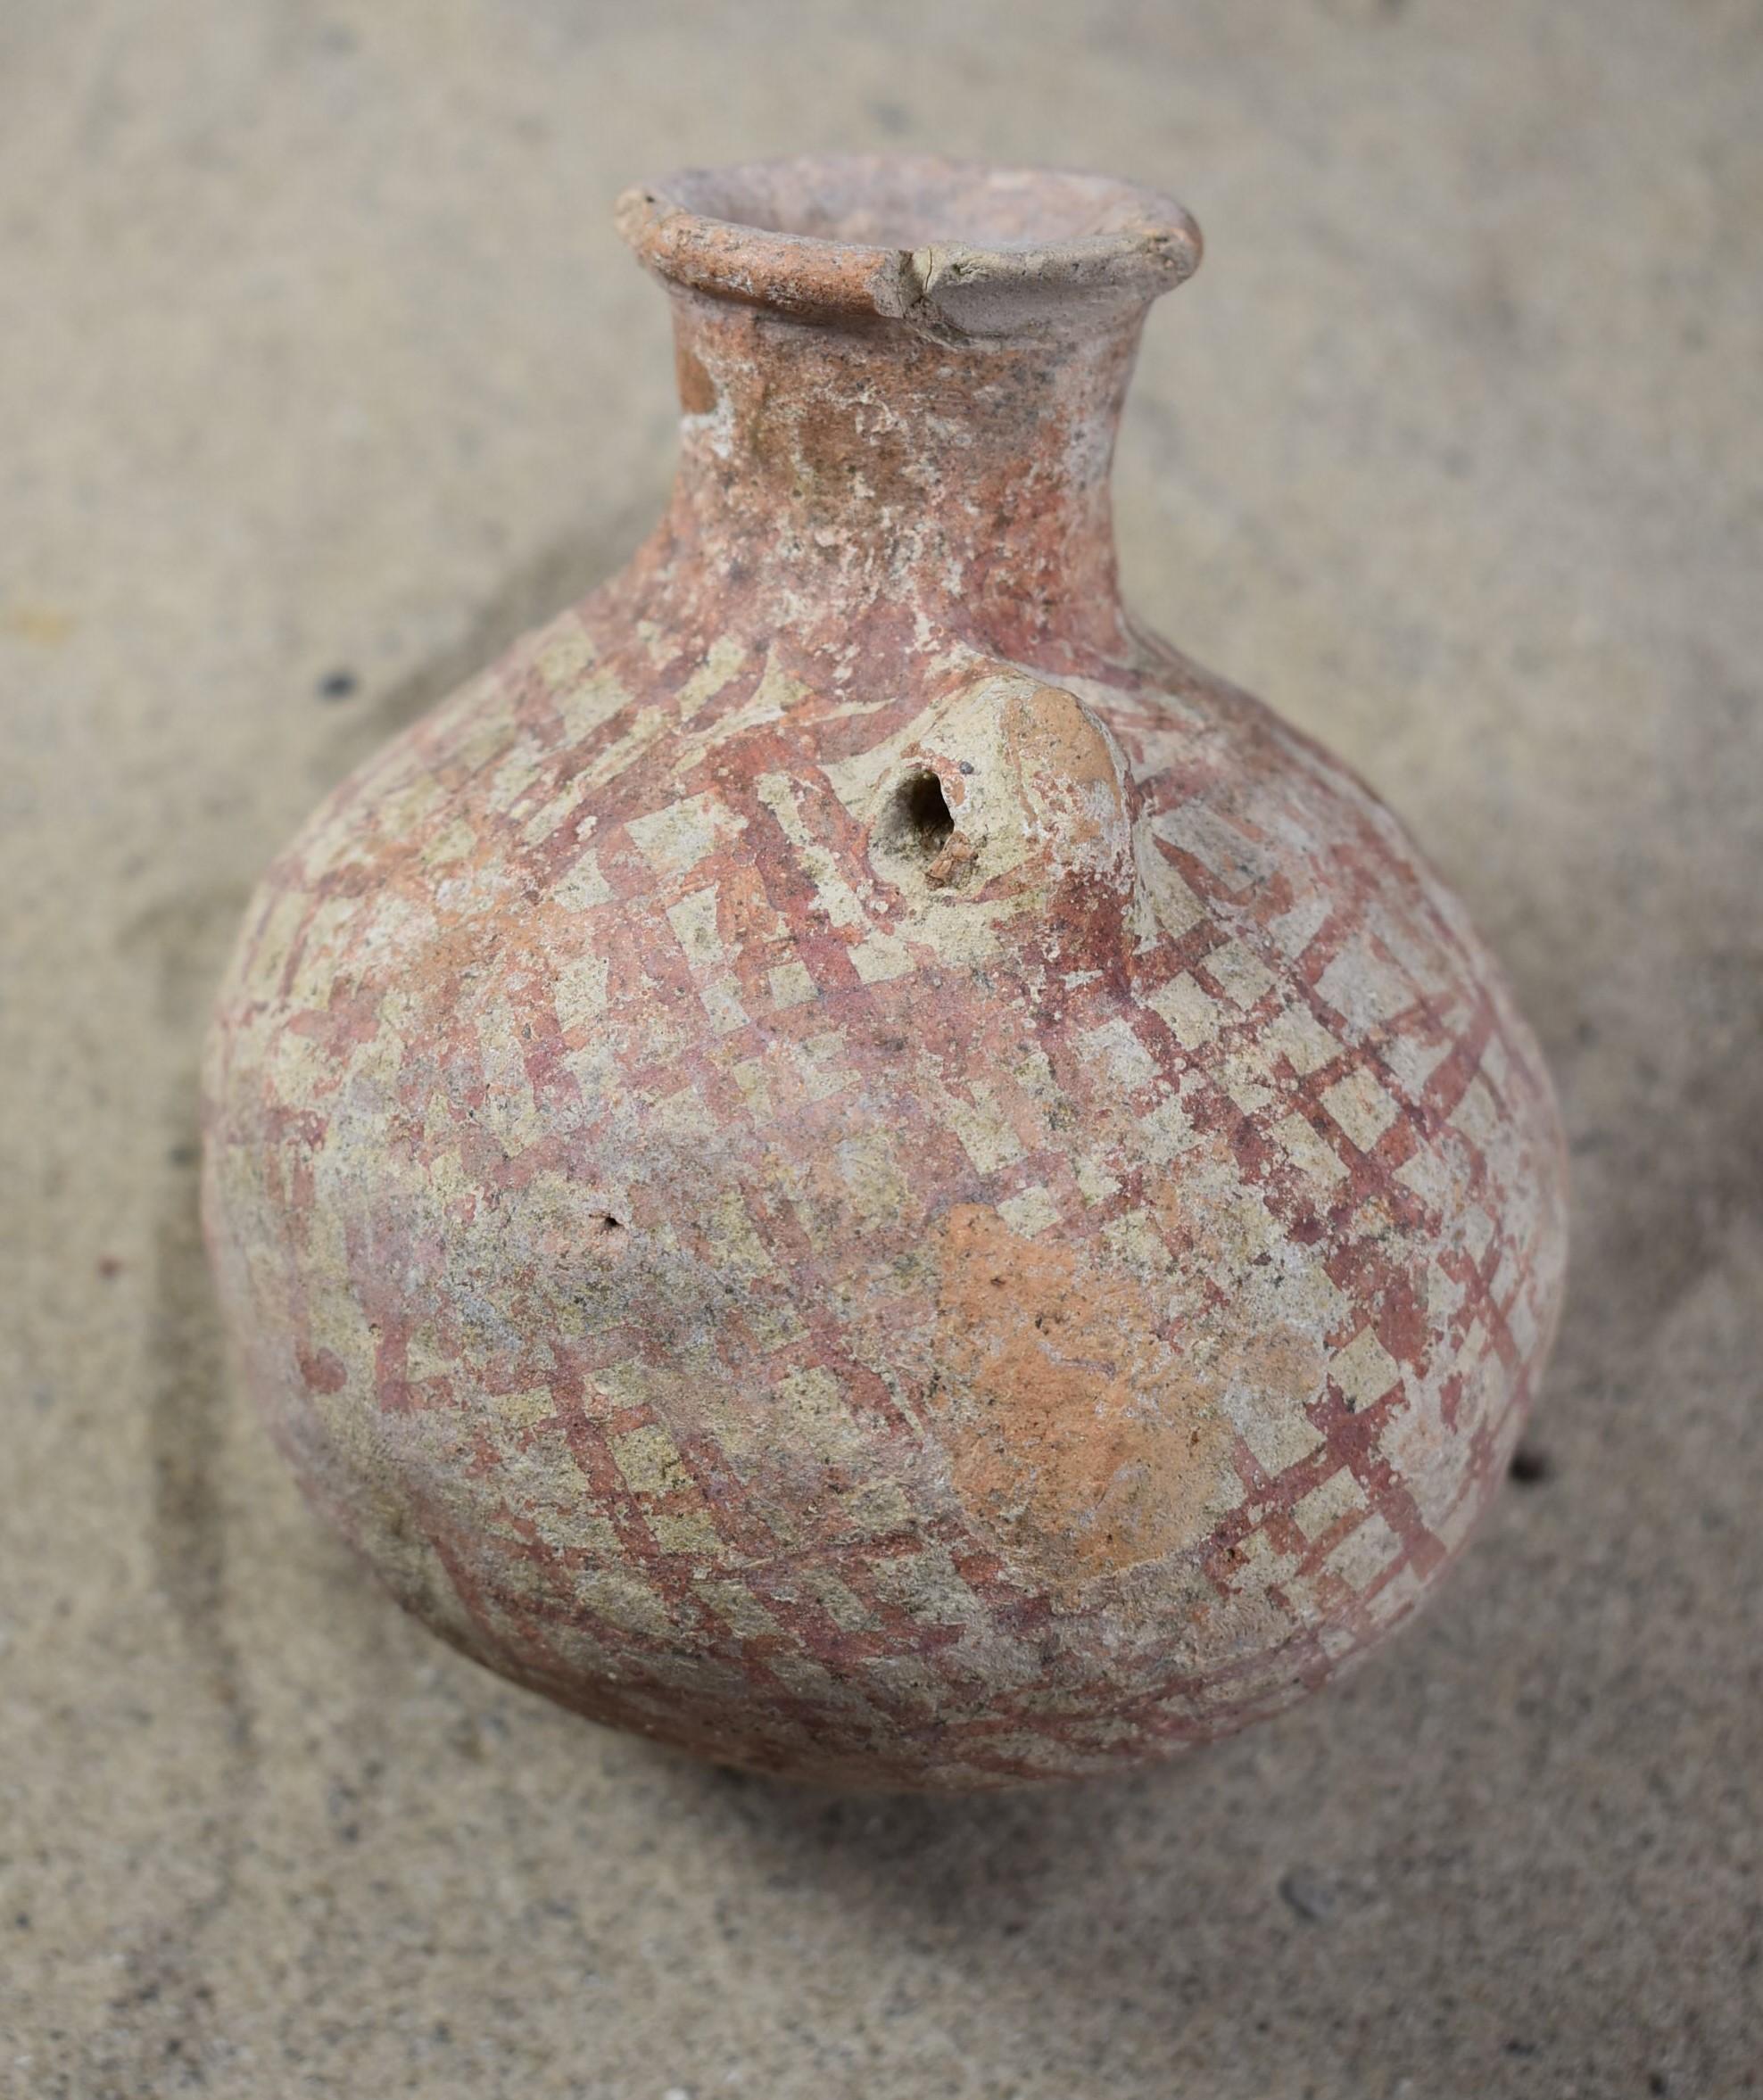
<point x="926" y="821"/>
<point x="915" y="839"/>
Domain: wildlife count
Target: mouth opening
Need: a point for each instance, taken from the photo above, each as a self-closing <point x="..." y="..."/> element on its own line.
<point x="953" y="248"/>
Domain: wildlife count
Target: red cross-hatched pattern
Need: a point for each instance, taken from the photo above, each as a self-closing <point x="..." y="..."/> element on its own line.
<point x="716" y="1041"/>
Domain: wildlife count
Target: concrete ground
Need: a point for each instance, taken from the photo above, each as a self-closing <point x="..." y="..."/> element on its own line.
<point x="321" y="374"/>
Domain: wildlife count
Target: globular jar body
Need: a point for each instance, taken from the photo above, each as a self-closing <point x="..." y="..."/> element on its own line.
<point x="845" y="1161"/>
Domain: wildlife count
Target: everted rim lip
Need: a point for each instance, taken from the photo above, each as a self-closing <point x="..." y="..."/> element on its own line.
<point x="1130" y="244"/>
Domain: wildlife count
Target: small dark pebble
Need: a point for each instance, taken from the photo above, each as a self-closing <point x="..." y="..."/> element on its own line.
<point x="1308" y="1894"/>
<point x="337" y="685"/>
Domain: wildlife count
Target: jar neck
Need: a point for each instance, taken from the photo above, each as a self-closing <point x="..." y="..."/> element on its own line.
<point x="844" y="466"/>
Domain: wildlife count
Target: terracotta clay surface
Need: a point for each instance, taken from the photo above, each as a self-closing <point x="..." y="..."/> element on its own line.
<point x="845" y="1160"/>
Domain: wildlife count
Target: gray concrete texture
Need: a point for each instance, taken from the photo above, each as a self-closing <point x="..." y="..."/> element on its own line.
<point x="323" y="374"/>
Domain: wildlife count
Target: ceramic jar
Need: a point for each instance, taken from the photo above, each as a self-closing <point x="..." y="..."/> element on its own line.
<point x="845" y="1161"/>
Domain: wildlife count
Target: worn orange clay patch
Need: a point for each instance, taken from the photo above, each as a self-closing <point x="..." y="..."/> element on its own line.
<point x="1076" y="1438"/>
<point x="1054" y="740"/>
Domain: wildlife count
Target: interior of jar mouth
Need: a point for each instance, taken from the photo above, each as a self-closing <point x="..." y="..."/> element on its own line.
<point x="900" y="201"/>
